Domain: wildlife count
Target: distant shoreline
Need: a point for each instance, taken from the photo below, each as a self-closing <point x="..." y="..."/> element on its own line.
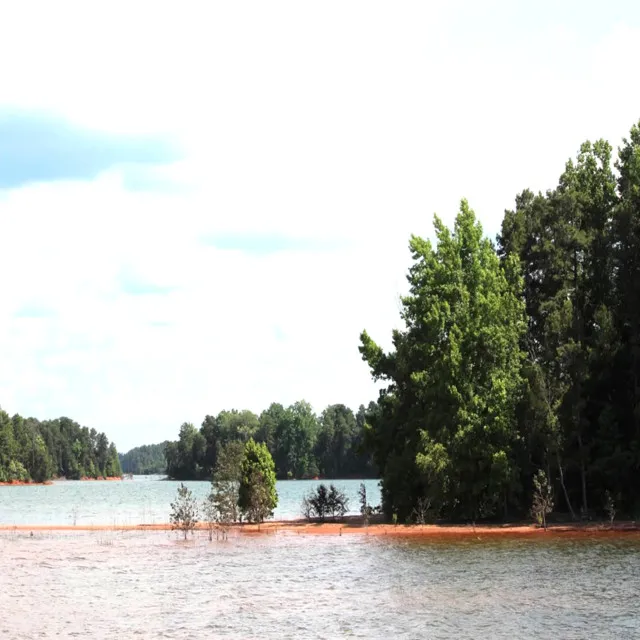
<point x="354" y="526"/>
<point x="46" y="483"/>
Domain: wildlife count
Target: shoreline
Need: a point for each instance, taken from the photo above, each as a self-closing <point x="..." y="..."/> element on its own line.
<point x="516" y="530"/>
<point x="27" y="483"/>
<point x="47" y="483"/>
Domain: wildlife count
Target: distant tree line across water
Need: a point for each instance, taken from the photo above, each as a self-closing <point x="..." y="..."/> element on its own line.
<point x="33" y="450"/>
<point x="145" y="460"/>
<point x="515" y="382"/>
<point x="302" y="444"/>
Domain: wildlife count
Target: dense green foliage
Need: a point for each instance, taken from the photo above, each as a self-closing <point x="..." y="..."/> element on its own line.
<point x="520" y="357"/>
<point x="257" y="496"/>
<point x="145" y="460"/>
<point x="447" y="417"/>
<point x="579" y="250"/>
<point x="31" y="450"/>
<point x="302" y="444"/>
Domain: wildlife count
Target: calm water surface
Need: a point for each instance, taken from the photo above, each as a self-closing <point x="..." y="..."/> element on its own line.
<point x="143" y="500"/>
<point x="150" y="585"/>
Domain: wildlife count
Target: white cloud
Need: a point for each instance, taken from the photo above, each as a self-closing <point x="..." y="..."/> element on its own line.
<point x="343" y="121"/>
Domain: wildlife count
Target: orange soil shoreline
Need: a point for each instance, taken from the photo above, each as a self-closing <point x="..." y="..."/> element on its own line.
<point x="29" y="483"/>
<point x="22" y="483"/>
<point x="340" y="528"/>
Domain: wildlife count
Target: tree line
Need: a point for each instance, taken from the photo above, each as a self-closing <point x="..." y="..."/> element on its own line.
<point x="515" y="380"/>
<point x="302" y="444"/>
<point x="145" y="460"/>
<point x="33" y="450"/>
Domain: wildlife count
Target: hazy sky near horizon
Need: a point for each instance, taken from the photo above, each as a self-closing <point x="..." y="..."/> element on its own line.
<point x="202" y="204"/>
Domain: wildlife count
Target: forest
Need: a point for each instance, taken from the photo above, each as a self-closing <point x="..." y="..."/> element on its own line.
<point x="302" y="444"/>
<point x="145" y="460"/>
<point x="36" y="451"/>
<point x="516" y="378"/>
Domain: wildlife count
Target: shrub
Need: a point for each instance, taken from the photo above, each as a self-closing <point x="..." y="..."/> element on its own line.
<point x="542" y="498"/>
<point x="324" y="502"/>
<point x="609" y="507"/>
<point x="320" y="501"/>
<point x="184" y="511"/>
<point x="337" y="503"/>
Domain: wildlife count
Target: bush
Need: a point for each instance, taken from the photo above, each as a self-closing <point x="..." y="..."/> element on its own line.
<point x="542" y="498"/>
<point x="320" y="502"/>
<point x="184" y="511"/>
<point x="324" y="502"/>
<point x="306" y="508"/>
<point x="609" y="507"/>
<point x="17" y="472"/>
<point x="337" y="503"/>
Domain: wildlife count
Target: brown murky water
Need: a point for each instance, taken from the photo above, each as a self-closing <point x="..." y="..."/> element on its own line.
<point x="149" y="585"/>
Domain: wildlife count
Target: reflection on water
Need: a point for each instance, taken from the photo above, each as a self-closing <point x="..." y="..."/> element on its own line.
<point x="149" y="585"/>
<point x="143" y="500"/>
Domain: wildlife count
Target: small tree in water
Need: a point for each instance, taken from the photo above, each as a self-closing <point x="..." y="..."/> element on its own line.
<point x="323" y="501"/>
<point x="610" y="507"/>
<point x="260" y="501"/>
<point x="337" y="502"/>
<point x="209" y="514"/>
<point x="306" y="508"/>
<point x="320" y="501"/>
<point x="222" y="501"/>
<point x="542" y="498"/>
<point x="365" y="509"/>
<point x="257" y="495"/>
<point x="184" y="511"/>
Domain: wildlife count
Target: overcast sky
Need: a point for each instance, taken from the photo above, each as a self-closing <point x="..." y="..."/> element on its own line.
<point x="203" y="204"/>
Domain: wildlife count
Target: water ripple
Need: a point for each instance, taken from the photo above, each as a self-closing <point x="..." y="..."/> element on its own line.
<point x="149" y="585"/>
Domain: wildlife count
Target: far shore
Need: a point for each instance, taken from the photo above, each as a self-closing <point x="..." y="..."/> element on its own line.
<point x="29" y="483"/>
<point x="353" y="526"/>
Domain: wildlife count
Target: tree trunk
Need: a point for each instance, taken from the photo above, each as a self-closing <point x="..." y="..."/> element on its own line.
<point x="583" y="477"/>
<point x="564" y="488"/>
<point x="579" y="332"/>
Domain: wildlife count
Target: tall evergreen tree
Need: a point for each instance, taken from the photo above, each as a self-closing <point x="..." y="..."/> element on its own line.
<point x="623" y="449"/>
<point x="564" y="244"/>
<point x="446" y="426"/>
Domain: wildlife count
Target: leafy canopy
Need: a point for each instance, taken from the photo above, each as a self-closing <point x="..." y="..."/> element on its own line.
<point x="446" y="424"/>
<point x="257" y="496"/>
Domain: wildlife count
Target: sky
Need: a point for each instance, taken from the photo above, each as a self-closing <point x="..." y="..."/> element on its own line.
<point x="203" y="204"/>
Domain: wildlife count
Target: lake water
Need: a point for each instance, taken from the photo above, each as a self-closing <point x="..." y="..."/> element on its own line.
<point x="143" y="500"/>
<point x="150" y="585"/>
